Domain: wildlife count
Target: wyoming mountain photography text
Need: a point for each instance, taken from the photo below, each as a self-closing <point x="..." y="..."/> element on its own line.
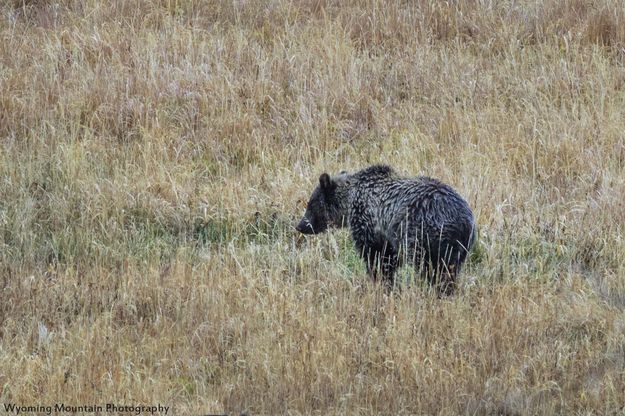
<point x="312" y="207"/>
<point x="57" y="408"/>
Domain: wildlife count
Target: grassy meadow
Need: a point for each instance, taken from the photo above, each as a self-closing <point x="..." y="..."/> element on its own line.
<point x="156" y="155"/>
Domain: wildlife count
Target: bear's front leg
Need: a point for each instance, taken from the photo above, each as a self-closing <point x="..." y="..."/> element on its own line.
<point x="388" y="265"/>
<point x="381" y="260"/>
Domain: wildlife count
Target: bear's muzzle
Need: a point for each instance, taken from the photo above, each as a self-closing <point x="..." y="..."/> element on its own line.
<point x="305" y="227"/>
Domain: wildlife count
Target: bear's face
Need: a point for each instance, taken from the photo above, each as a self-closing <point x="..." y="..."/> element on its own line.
<point x="326" y="207"/>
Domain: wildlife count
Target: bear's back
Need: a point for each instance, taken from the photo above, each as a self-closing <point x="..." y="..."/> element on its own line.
<point x="383" y="200"/>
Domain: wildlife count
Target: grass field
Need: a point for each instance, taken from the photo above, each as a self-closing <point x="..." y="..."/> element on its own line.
<point x="156" y="155"/>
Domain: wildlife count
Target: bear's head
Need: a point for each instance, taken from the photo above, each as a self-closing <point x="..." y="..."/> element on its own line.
<point x="327" y="206"/>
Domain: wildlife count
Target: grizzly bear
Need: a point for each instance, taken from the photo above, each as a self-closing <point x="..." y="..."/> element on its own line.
<point x="395" y="220"/>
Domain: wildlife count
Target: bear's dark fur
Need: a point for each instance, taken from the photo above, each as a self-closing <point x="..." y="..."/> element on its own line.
<point x="395" y="220"/>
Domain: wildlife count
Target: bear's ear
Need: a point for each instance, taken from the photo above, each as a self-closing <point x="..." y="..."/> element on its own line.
<point x="326" y="182"/>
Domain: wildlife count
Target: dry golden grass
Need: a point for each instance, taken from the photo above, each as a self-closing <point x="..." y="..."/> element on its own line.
<point x="154" y="156"/>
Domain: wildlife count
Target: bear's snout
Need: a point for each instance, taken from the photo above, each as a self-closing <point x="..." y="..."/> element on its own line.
<point x="305" y="227"/>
